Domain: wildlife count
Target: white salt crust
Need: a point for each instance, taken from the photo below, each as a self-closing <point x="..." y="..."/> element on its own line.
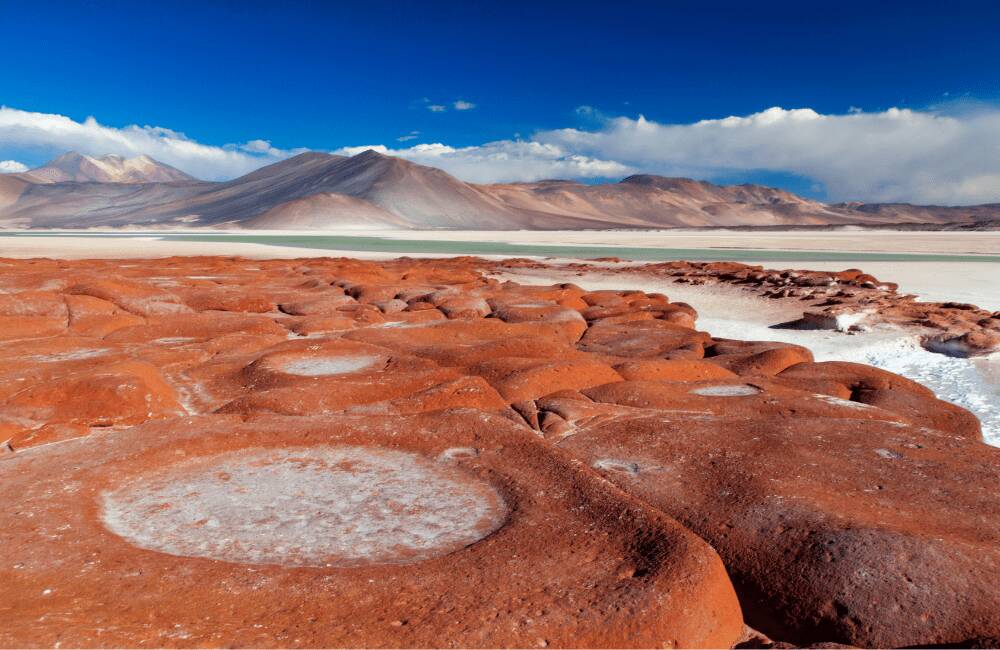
<point x="319" y="506"/>
<point x="726" y="390"/>
<point x="615" y="465"/>
<point x="321" y="366"/>
<point x="836" y="401"/>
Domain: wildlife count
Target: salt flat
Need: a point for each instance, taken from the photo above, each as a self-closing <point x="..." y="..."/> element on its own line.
<point x="845" y="240"/>
<point x="969" y="280"/>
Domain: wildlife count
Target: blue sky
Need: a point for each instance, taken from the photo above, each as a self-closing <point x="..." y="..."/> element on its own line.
<point x="328" y="75"/>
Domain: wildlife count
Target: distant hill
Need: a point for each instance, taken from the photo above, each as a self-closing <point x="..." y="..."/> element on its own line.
<point x="77" y="168"/>
<point x="318" y="191"/>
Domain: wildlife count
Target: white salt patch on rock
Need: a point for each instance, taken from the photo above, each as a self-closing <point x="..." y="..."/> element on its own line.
<point x="73" y="355"/>
<point x="726" y="390"/>
<point x="836" y="401"/>
<point x="614" y="465"/>
<point x="459" y="453"/>
<point x="319" y="366"/>
<point x="319" y="506"/>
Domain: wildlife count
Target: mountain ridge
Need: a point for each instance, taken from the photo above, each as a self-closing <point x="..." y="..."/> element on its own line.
<point x="371" y="190"/>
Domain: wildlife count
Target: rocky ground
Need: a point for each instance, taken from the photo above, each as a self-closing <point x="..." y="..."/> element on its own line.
<point x="330" y="452"/>
<point x="849" y="300"/>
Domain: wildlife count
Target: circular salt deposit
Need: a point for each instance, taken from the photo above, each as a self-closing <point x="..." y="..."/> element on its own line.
<point x="726" y="390"/>
<point x="334" y="365"/>
<point x="316" y="506"/>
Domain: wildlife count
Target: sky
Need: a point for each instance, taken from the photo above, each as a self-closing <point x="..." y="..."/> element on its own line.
<point x="874" y="101"/>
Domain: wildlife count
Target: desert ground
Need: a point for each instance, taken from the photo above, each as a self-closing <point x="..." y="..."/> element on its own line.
<point x="972" y="383"/>
<point x="217" y="443"/>
<point x="338" y="452"/>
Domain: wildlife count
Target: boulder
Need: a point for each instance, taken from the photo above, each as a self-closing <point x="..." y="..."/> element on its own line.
<point x="833" y="530"/>
<point x="169" y="535"/>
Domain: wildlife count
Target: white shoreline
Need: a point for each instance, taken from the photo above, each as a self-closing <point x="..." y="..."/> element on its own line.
<point x="933" y="281"/>
<point x="841" y="240"/>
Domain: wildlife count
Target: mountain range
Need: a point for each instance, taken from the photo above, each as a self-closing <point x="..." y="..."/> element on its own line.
<point x="319" y="191"/>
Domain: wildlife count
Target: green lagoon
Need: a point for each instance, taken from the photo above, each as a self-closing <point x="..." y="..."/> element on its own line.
<point x="441" y="247"/>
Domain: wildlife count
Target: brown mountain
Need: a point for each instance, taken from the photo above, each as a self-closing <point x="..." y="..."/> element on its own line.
<point x="319" y="191"/>
<point x="77" y="168"/>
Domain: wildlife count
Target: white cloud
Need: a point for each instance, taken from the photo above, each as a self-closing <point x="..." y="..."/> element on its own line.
<point x="412" y="135"/>
<point x="12" y="167"/>
<point x="56" y="134"/>
<point x="260" y="147"/>
<point x="893" y="155"/>
<point x="437" y="108"/>
<point x="502" y="161"/>
<point x="462" y="105"/>
<point x="353" y="151"/>
<point x="945" y="155"/>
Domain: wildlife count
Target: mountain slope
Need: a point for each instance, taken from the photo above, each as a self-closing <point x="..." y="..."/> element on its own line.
<point x="77" y="168"/>
<point x="370" y="190"/>
<point x="12" y="186"/>
<point x="424" y="196"/>
<point x="659" y="202"/>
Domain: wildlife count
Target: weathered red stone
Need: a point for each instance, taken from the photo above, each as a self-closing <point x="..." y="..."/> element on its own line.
<point x="848" y="504"/>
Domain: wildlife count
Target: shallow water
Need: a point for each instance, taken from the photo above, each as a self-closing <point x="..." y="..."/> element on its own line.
<point x="442" y="247"/>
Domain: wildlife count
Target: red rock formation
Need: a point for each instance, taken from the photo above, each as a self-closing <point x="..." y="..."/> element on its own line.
<point x="562" y="557"/>
<point x="848" y="300"/>
<point x="174" y="433"/>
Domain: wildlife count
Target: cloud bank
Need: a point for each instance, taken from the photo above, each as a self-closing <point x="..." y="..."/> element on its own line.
<point x="504" y="161"/>
<point x="928" y="156"/>
<point x="12" y="167"/>
<point x="894" y="155"/>
<point x="57" y="134"/>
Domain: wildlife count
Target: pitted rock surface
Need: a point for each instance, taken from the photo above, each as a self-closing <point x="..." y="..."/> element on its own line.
<point x="333" y="452"/>
<point x="446" y="528"/>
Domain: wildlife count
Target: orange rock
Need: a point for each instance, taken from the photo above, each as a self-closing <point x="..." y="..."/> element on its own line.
<point x="757" y="358"/>
<point x="90" y="316"/>
<point x="223" y="300"/>
<point x="672" y="370"/>
<point x="196" y="326"/>
<point x="842" y="530"/>
<point x="137" y="298"/>
<point x="129" y="392"/>
<point x="31" y="314"/>
<point x="497" y="528"/>
<point x="326" y="305"/>
<point x="752" y="445"/>
<point x="643" y="339"/>
<point x="518" y="378"/>
<point x="885" y="390"/>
